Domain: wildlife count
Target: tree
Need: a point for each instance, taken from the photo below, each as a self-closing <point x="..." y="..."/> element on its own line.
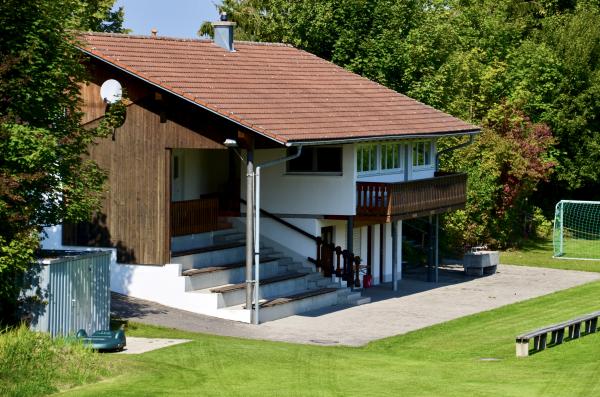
<point x="44" y="178"/>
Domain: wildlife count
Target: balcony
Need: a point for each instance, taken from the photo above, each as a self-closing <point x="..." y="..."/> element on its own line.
<point x="404" y="200"/>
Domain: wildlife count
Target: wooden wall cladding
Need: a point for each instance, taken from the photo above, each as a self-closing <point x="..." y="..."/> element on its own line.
<point x="93" y="106"/>
<point x="136" y="207"/>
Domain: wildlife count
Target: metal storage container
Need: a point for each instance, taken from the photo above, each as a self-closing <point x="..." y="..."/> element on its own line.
<point x="73" y="288"/>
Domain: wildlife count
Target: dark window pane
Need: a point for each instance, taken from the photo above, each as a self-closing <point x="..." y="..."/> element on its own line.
<point x="329" y="159"/>
<point x="304" y="163"/>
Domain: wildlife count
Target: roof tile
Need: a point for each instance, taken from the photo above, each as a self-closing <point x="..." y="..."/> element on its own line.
<point x="275" y="89"/>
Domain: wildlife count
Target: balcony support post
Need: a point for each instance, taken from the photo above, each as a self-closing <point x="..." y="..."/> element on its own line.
<point x="430" y="249"/>
<point x="349" y="248"/>
<point x="437" y="247"/>
<point x="395" y="255"/>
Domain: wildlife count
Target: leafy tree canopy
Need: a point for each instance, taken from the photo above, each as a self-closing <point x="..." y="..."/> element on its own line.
<point x="43" y="176"/>
<point x="470" y="58"/>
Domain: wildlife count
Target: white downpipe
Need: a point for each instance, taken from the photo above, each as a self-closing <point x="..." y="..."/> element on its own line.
<point x="255" y="318"/>
<point x="255" y="314"/>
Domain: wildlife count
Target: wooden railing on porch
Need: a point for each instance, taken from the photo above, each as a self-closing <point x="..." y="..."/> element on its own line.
<point x="195" y="216"/>
<point x="333" y="260"/>
<point x="411" y="198"/>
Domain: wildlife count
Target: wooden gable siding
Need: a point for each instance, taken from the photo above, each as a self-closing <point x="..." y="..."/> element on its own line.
<point x="135" y="211"/>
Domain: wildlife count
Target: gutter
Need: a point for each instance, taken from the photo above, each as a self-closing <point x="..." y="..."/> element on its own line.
<point x="451" y="149"/>
<point x="471" y="133"/>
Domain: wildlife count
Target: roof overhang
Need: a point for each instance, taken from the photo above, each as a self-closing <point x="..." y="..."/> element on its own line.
<point x="337" y="141"/>
<point x="129" y="72"/>
<point x="383" y="138"/>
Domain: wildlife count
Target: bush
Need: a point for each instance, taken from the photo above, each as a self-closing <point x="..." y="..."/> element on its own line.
<point x="34" y="364"/>
<point x="542" y="227"/>
<point x="506" y="163"/>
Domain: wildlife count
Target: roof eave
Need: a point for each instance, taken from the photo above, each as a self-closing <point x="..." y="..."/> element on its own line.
<point x="178" y="95"/>
<point x="382" y="138"/>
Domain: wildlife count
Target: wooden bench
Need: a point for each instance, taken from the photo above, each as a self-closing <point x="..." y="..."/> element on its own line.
<point x="557" y="332"/>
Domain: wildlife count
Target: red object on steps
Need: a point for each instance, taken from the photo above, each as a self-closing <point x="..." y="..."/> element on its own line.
<point x="367" y="281"/>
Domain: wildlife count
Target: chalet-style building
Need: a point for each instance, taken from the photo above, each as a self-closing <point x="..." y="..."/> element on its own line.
<point x="201" y="115"/>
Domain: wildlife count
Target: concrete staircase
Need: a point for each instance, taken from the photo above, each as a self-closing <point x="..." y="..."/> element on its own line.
<point x="213" y="266"/>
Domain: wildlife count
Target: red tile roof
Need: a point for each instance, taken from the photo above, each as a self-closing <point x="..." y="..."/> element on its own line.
<point x="276" y="90"/>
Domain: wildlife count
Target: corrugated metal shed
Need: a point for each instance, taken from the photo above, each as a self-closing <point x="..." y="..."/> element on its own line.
<point x="75" y="291"/>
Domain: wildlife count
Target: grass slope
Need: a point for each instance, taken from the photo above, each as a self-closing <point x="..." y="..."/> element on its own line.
<point x="33" y="364"/>
<point x="441" y="360"/>
<point x="539" y="253"/>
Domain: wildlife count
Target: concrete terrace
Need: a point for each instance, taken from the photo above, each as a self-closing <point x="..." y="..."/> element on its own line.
<point x="416" y="305"/>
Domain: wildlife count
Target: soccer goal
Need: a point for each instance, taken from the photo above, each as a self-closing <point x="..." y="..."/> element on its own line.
<point x="577" y="230"/>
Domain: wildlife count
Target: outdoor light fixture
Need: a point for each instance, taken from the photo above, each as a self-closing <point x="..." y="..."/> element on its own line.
<point x="230" y="143"/>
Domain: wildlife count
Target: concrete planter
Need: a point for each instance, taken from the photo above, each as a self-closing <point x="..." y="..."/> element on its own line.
<point x="480" y="263"/>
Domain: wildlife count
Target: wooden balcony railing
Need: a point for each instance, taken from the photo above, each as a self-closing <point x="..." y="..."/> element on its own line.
<point x="194" y="216"/>
<point x="413" y="198"/>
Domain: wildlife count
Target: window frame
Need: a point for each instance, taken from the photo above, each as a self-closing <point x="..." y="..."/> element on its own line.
<point x="427" y="155"/>
<point x="379" y="157"/>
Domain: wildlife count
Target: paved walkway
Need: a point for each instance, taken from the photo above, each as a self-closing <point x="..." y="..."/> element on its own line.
<point x="142" y="345"/>
<point x="416" y="305"/>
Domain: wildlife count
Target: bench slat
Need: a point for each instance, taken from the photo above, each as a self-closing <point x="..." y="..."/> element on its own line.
<point x="558" y="326"/>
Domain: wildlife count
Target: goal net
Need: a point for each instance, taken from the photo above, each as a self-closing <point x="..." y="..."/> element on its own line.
<point x="577" y="230"/>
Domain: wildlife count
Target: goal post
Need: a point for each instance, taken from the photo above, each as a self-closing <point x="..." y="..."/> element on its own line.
<point x="576" y="232"/>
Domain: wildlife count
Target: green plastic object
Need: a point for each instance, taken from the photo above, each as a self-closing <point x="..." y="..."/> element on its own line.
<point x="104" y="340"/>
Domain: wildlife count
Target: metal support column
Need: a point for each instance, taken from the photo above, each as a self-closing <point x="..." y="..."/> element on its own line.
<point x="394" y="256"/>
<point x="437" y="247"/>
<point x="249" y="224"/>
<point x="430" y="249"/>
<point x="350" y="248"/>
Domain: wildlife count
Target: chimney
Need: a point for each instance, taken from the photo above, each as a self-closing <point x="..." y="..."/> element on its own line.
<point x="154" y="32"/>
<point x="224" y="33"/>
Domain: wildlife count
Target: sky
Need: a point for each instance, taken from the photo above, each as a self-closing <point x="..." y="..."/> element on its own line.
<point x="174" y="18"/>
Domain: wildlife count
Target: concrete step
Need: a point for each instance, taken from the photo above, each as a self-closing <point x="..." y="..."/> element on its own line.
<point x="214" y="255"/>
<point x="270" y="287"/>
<point x="356" y="298"/>
<point x="285" y="306"/>
<point x="200" y="240"/>
<point x="229" y="237"/>
<point x="232" y="273"/>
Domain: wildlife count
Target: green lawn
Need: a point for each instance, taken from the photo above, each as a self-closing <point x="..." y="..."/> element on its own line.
<point x="443" y="360"/>
<point x="539" y="253"/>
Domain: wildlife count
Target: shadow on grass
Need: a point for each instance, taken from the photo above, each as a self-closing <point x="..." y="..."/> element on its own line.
<point x="536" y="244"/>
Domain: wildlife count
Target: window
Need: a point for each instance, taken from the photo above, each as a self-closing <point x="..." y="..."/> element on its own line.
<point x="317" y="160"/>
<point x="366" y="158"/>
<point x="391" y="156"/>
<point x="374" y="158"/>
<point x="421" y="155"/>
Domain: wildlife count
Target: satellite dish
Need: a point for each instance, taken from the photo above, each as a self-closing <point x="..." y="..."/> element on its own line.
<point x="111" y="91"/>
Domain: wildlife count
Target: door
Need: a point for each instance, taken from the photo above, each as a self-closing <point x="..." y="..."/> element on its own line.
<point x="356" y="241"/>
<point x="327" y="250"/>
<point x="177" y="168"/>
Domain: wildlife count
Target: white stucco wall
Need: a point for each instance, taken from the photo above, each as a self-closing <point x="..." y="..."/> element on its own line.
<point x="200" y="172"/>
<point x="306" y="194"/>
<point x="51" y="239"/>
